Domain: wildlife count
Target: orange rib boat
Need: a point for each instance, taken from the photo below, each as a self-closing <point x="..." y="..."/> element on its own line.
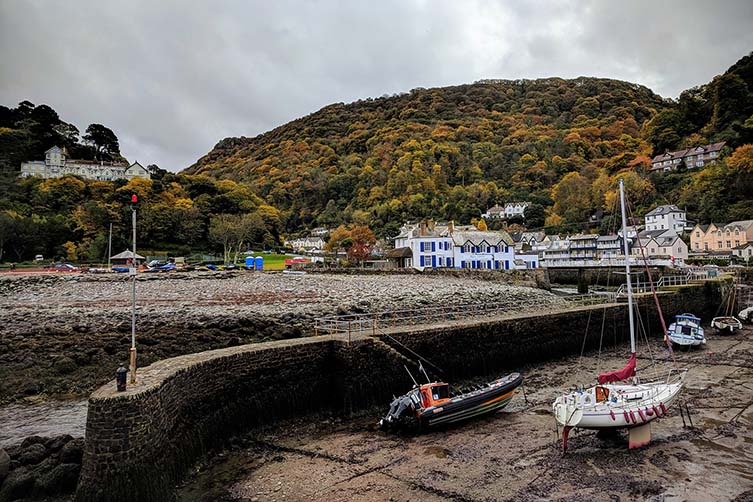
<point x="431" y="405"/>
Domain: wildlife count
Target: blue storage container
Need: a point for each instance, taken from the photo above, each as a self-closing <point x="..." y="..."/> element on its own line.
<point x="250" y="262"/>
<point x="259" y="263"/>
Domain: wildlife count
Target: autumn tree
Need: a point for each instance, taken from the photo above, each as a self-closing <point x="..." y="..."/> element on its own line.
<point x="363" y="241"/>
<point x="572" y="198"/>
<point x="339" y="239"/>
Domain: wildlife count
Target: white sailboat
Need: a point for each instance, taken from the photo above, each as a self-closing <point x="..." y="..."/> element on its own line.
<point x="614" y="405"/>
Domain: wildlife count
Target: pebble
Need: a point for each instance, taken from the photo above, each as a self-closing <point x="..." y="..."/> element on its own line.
<point x="34" y="304"/>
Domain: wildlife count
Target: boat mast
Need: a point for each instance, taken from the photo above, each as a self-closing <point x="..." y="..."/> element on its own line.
<point x="627" y="268"/>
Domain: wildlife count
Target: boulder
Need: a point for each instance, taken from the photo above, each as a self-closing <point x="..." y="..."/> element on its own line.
<point x="33" y="454"/>
<point x="4" y="465"/>
<point x="56" y="443"/>
<point x="60" y="479"/>
<point x="19" y="484"/>
<point x="72" y="452"/>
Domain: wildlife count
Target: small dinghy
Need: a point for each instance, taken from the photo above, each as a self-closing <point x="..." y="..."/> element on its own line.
<point x="431" y="405"/>
<point x="726" y="325"/>
<point x="686" y="331"/>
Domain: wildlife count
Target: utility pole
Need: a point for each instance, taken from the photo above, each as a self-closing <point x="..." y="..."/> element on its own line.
<point x="132" y="273"/>
<point x="109" y="247"/>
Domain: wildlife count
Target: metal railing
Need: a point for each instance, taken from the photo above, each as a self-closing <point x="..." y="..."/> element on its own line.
<point x="664" y="281"/>
<point x="369" y="323"/>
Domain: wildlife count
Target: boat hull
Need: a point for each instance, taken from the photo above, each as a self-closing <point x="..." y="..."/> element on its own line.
<point x="686" y="332"/>
<point x="573" y="410"/>
<point x="474" y="404"/>
<point x="492" y="397"/>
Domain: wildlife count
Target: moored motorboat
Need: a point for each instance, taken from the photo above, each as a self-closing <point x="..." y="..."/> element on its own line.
<point x="431" y="405"/>
<point x="686" y="331"/>
<point x="726" y="324"/>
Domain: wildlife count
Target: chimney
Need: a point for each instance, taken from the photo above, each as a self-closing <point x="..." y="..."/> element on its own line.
<point x="451" y="226"/>
<point x="422" y="229"/>
<point x="431" y="225"/>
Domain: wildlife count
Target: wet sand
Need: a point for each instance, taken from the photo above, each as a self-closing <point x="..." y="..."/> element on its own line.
<point x="514" y="454"/>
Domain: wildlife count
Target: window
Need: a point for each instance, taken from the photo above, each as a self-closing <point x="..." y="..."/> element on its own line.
<point x="728" y="245"/>
<point x="712" y="154"/>
<point x="699" y="163"/>
<point x="737" y="243"/>
<point x="696" y="245"/>
<point x="698" y="234"/>
<point x="706" y="246"/>
<point x="737" y="232"/>
<point x="719" y="244"/>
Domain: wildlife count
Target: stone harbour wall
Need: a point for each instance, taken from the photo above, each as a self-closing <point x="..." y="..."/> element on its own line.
<point x="140" y="443"/>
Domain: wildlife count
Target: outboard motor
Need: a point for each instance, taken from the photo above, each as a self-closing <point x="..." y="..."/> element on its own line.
<point x="402" y="413"/>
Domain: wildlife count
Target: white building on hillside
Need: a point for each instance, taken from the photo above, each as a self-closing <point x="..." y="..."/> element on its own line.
<point x="660" y="244"/>
<point x="510" y="210"/>
<point x="306" y="244"/>
<point x="668" y="217"/>
<point x="447" y="246"/>
<point x="56" y="164"/>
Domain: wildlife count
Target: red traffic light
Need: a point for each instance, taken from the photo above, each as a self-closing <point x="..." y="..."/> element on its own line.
<point x="134" y="199"/>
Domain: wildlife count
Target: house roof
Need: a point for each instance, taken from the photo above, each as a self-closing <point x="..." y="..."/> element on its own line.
<point x="671" y="208"/>
<point x="743" y="224"/>
<point x="126" y="255"/>
<point x="476" y="238"/>
<point x="583" y="237"/>
<point x="399" y="253"/>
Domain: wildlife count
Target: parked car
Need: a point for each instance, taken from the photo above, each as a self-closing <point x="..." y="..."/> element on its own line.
<point x="64" y="267"/>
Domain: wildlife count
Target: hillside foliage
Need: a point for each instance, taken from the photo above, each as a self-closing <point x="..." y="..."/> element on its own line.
<point x="442" y="154"/>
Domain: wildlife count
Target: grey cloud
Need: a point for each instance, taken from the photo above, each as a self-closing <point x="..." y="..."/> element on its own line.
<point x="173" y="78"/>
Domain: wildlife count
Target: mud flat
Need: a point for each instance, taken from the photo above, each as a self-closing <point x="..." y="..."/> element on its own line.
<point x="515" y="454"/>
<point x="66" y="334"/>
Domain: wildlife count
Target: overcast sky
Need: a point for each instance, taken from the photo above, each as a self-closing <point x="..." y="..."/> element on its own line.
<point x="172" y="78"/>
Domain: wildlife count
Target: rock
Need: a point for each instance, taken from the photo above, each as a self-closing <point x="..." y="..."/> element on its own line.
<point x="4" y="465"/>
<point x="17" y="485"/>
<point x="30" y="440"/>
<point x="33" y="454"/>
<point x="72" y="452"/>
<point x="65" y="365"/>
<point x="61" y="479"/>
<point x="56" y="443"/>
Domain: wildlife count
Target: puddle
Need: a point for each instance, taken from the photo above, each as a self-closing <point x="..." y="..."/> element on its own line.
<point x="47" y="418"/>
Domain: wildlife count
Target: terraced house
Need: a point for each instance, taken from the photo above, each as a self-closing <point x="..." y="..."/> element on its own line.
<point x="721" y="238"/>
<point x="697" y="156"/>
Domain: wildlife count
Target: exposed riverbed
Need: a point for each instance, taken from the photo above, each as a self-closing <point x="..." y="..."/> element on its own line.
<point x="515" y="454"/>
<point x="67" y="334"/>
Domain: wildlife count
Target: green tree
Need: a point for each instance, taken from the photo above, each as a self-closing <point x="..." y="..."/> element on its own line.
<point x="104" y="140"/>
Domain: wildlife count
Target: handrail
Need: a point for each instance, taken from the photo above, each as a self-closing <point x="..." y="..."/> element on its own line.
<point x="369" y="323"/>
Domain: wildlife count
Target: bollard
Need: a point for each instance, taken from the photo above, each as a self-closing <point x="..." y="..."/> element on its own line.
<point x="120" y="378"/>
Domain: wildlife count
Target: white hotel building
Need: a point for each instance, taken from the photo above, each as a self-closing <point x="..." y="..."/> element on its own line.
<point x="56" y="165"/>
<point x="447" y="247"/>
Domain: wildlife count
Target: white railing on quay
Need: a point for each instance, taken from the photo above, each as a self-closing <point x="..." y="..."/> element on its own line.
<point x="371" y="322"/>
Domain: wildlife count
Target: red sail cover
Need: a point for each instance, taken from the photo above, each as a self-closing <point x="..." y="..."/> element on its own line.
<point x="623" y="374"/>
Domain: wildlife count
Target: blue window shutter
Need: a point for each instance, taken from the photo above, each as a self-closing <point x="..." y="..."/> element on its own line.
<point x="433" y="246"/>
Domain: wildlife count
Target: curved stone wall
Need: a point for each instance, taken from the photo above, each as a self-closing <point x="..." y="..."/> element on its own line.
<point x="140" y="442"/>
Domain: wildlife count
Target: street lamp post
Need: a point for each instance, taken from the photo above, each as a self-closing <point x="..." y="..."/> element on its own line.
<point x="132" y="273"/>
